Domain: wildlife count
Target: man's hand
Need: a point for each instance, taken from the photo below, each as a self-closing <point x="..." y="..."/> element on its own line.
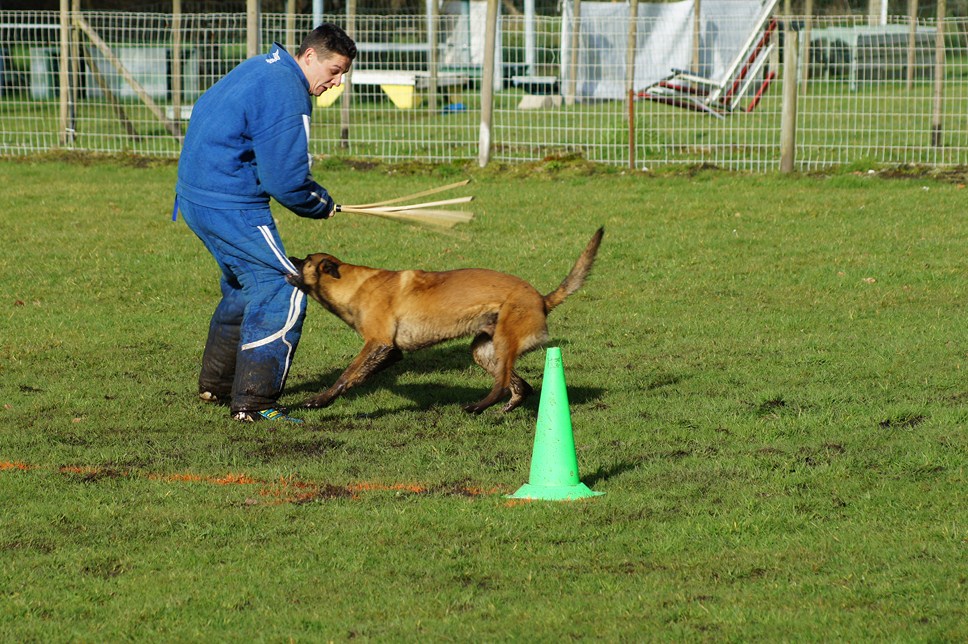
<point x="330" y="207"/>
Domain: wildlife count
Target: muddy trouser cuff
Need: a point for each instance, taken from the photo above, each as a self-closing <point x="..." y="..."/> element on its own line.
<point x="260" y="376"/>
<point x="269" y="342"/>
<point x="218" y="361"/>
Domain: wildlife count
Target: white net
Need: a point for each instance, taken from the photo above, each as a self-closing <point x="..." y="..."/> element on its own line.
<point x="878" y="93"/>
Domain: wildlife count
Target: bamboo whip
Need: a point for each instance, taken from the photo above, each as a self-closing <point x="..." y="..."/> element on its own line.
<point x="418" y="195"/>
<point x="428" y="204"/>
<point x="439" y="218"/>
<point x="427" y="212"/>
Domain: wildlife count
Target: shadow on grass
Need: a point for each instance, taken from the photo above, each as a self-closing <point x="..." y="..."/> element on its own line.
<point x="427" y="395"/>
<point x="606" y="473"/>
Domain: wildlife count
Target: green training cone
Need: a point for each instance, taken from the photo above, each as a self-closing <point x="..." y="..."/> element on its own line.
<point x="554" y="465"/>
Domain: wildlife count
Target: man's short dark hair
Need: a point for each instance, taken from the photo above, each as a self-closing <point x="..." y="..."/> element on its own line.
<point x="327" y="39"/>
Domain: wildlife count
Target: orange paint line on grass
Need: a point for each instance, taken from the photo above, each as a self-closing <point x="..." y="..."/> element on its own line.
<point x="228" y="479"/>
<point x="14" y="465"/>
<point x="284" y="490"/>
<point x="381" y="487"/>
<point x="79" y="469"/>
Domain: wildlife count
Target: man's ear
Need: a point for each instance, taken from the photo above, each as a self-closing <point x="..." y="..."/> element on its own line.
<point x="329" y="267"/>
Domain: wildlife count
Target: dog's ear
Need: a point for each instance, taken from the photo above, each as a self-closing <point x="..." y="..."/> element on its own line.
<point x="329" y="267"/>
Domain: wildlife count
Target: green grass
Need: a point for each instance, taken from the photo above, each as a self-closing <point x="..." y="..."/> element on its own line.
<point x="766" y="377"/>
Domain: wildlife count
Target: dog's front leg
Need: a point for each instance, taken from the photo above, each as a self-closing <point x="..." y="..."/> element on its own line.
<point x="374" y="357"/>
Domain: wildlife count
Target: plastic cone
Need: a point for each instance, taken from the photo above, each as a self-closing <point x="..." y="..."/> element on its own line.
<point x="554" y="464"/>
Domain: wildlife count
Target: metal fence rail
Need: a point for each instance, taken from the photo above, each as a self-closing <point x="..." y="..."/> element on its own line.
<point x="865" y="93"/>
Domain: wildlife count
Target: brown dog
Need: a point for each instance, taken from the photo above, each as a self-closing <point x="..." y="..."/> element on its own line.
<point x="398" y="311"/>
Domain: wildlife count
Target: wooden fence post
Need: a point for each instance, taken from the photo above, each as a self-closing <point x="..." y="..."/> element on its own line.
<point x="74" y="50"/>
<point x="788" y="119"/>
<point x="807" y="28"/>
<point x="936" y="138"/>
<point x="109" y="95"/>
<point x="176" y="61"/>
<point x="432" y="19"/>
<point x="64" y="78"/>
<point x="696" y="37"/>
<point x="132" y="82"/>
<point x="572" y="88"/>
<point x="344" y="109"/>
<point x="487" y="85"/>
<point x="912" y="41"/>
<point x="630" y="75"/>
<point x="252" y="28"/>
<point x="291" y="27"/>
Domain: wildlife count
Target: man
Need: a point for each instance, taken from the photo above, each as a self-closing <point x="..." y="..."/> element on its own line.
<point x="248" y="139"/>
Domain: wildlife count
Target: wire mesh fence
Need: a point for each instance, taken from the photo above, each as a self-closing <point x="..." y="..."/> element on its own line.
<point x="691" y="91"/>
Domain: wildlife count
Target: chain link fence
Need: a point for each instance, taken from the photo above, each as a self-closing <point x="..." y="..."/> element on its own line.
<point x="893" y="93"/>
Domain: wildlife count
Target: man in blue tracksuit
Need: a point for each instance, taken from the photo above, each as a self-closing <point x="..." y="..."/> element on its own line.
<point x="247" y="141"/>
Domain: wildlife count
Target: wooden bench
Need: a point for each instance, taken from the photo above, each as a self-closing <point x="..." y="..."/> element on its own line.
<point x="542" y="91"/>
<point x="400" y="86"/>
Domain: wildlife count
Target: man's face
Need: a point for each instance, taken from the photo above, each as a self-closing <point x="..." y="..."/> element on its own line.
<point x="323" y="73"/>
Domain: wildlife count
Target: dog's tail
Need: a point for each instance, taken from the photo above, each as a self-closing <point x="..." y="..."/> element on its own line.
<point x="578" y="273"/>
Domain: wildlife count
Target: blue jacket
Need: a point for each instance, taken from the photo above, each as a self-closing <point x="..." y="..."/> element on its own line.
<point x="248" y="139"/>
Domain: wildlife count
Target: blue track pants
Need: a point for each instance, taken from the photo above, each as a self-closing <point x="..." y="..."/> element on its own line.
<point x="256" y="326"/>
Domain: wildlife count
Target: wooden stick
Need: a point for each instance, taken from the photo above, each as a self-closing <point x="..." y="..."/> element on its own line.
<point x="109" y="94"/>
<point x="417" y="195"/>
<point x="415" y="206"/>
<point x="441" y="218"/>
<point x="453" y="215"/>
<point x="129" y="79"/>
<point x="437" y="223"/>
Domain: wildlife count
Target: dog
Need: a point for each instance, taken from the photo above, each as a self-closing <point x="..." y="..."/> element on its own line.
<point x="397" y="311"/>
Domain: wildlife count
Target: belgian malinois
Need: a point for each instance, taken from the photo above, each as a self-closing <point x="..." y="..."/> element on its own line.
<point x="397" y="311"/>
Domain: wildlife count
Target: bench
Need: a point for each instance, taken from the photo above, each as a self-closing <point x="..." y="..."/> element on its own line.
<point x="400" y="86"/>
<point x="541" y="91"/>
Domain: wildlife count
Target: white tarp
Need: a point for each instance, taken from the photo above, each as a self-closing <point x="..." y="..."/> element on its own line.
<point x="463" y="45"/>
<point x="664" y="42"/>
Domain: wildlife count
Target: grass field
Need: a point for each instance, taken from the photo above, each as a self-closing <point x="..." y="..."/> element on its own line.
<point x="768" y="379"/>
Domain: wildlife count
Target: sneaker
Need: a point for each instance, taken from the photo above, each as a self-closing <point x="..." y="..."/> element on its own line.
<point x="265" y="414"/>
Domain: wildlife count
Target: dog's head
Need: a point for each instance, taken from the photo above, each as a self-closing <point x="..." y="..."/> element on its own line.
<point x="313" y="271"/>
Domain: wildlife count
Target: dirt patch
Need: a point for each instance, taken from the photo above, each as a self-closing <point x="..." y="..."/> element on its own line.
<point x="83" y="158"/>
<point x="770" y="407"/>
<point x="299" y="492"/>
<point x="272" y="450"/>
<point x="957" y="175"/>
<point x="908" y="421"/>
<point x="87" y="474"/>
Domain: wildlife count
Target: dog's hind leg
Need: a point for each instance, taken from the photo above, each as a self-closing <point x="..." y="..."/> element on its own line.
<point x="374" y="357"/>
<point x="485" y="356"/>
<point x="520" y="390"/>
<point x="518" y="331"/>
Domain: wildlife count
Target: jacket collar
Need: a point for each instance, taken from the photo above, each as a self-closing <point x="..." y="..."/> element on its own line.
<point x="279" y="56"/>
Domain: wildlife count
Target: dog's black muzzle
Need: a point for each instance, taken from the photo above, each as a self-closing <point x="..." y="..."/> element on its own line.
<point x="296" y="279"/>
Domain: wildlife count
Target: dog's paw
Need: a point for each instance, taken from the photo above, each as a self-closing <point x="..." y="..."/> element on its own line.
<point x="474" y="409"/>
<point x="512" y="404"/>
<point x="317" y="402"/>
